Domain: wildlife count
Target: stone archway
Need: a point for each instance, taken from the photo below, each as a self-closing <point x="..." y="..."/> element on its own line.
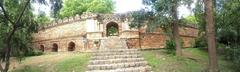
<point x="71" y="46"/>
<point x="42" y="48"/>
<point x="112" y="29"/>
<point x="55" y="47"/>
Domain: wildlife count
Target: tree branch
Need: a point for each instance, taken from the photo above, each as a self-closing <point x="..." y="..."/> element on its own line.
<point x="5" y="14"/>
<point x="20" y="16"/>
<point x="1" y="67"/>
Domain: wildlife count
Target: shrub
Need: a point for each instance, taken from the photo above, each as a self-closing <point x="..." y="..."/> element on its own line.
<point x="170" y="46"/>
<point x="200" y="42"/>
<point x="34" y="53"/>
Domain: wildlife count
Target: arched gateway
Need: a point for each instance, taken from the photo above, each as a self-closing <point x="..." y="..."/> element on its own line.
<point x="112" y="29"/>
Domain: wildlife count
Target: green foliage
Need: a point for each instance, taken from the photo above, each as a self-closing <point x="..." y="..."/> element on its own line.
<point x="227" y="27"/>
<point x="170" y="47"/>
<point x="22" y="37"/>
<point x="73" y="7"/>
<point x="199" y="16"/>
<point x="56" y="6"/>
<point x="189" y="20"/>
<point x="42" y="19"/>
<point x="112" y="31"/>
<point x="193" y="60"/>
<point x="34" y="53"/>
<point x="200" y="42"/>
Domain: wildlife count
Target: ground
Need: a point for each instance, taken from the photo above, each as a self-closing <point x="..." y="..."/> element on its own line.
<point x="193" y="60"/>
<point x="56" y="62"/>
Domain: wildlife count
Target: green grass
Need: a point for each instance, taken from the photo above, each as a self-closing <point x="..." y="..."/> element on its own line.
<point x="73" y="62"/>
<point x="193" y="60"/>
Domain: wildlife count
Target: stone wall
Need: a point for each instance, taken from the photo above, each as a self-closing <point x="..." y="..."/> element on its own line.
<point x="158" y="38"/>
<point x="76" y="30"/>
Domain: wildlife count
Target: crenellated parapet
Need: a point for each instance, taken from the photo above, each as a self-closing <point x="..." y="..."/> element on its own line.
<point x="67" y="20"/>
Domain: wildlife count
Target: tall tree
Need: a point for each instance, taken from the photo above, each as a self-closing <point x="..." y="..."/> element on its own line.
<point x="175" y="27"/>
<point x="73" y="7"/>
<point x="16" y="28"/>
<point x="56" y="6"/>
<point x="165" y="14"/>
<point x="211" y="36"/>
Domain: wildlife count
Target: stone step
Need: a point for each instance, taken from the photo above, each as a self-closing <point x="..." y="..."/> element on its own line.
<point x="130" y="69"/>
<point x="114" y="61"/>
<point x="117" y="65"/>
<point x="115" y="57"/>
<point x="115" y="53"/>
<point x="116" y="50"/>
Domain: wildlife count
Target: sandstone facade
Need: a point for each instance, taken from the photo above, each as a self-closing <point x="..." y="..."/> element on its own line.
<point x="85" y="33"/>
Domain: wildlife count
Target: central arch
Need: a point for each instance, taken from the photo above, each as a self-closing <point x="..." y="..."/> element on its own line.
<point x="71" y="46"/>
<point x="112" y="29"/>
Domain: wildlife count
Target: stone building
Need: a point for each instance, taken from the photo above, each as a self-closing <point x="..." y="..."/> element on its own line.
<point x="88" y="32"/>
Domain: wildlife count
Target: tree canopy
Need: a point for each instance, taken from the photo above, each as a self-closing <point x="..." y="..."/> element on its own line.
<point x="17" y="23"/>
<point x="73" y="7"/>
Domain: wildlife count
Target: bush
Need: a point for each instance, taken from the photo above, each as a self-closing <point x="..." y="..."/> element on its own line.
<point x="170" y="47"/>
<point x="34" y="53"/>
<point x="232" y="54"/>
<point x="200" y="42"/>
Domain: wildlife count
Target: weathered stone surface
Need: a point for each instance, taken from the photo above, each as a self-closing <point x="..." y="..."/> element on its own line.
<point x="89" y="30"/>
<point x="117" y="60"/>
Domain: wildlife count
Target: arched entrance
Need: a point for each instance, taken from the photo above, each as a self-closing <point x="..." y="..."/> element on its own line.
<point x="55" y="47"/>
<point x="112" y="29"/>
<point x="42" y="48"/>
<point x="71" y="46"/>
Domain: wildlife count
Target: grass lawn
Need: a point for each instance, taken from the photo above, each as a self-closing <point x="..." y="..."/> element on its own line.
<point x="193" y="60"/>
<point x="61" y="62"/>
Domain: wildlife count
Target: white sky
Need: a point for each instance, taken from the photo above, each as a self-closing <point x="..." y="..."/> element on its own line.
<point x="122" y="6"/>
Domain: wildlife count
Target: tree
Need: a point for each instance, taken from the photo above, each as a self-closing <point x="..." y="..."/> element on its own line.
<point x="73" y="7"/>
<point x="165" y="15"/>
<point x="42" y="18"/>
<point x="211" y="36"/>
<point x="56" y="6"/>
<point x="17" y="24"/>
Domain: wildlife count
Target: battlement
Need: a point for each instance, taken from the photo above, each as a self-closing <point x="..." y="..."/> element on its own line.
<point x="84" y="16"/>
<point x="66" y="20"/>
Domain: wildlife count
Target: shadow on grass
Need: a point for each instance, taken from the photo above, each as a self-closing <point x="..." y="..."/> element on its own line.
<point x="76" y="62"/>
<point x="193" y="60"/>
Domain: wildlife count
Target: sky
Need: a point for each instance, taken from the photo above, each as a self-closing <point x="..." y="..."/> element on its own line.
<point x="122" y="6"/>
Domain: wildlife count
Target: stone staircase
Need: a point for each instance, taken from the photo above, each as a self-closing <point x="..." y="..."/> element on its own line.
<point x="117" y="58"/>
<point x="113" y="42"/>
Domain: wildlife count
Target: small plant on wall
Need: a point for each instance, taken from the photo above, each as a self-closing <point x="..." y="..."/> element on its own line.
<point x="97" y="43"/>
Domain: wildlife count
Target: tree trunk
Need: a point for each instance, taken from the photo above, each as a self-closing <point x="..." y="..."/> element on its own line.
<point x="211" y="36"/>
<point x="9" y="37"/>
<point x="9" y="50"/>
<point x="175" y="30"/>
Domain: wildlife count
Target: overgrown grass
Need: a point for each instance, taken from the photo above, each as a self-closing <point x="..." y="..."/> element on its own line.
<point x="193" y="60"/>
<point x="72" y="62"/>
